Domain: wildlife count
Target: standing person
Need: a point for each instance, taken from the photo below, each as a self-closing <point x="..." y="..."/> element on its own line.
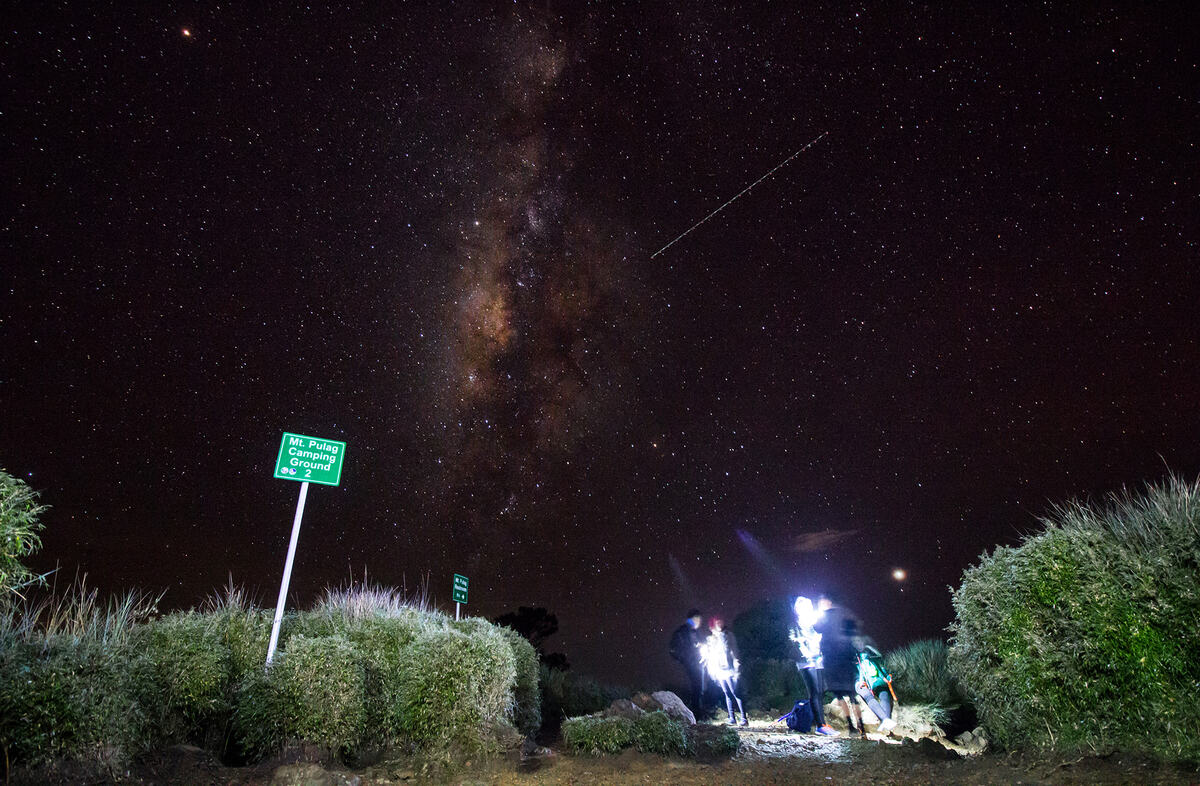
<point x="685" y="648"/>
<point x="808" y="642"/>
<point x="840" y="659"/>
<point x="719" y="656"/>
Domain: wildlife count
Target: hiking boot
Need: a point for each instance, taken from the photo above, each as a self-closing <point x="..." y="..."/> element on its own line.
<point x="826" y="730"/>
<point x="745" y="720"/>
<point x="886" y="725"/>
<point x="732" y="721"/>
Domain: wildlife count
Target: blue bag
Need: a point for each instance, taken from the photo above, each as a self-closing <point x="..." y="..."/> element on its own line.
<point x="800" y="718"/>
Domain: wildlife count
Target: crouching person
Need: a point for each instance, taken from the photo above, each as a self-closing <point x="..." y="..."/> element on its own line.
<point x="874" y="686"/>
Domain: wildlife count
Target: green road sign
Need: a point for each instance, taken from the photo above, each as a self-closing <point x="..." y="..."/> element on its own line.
<point x="310" y="459"/>
<point x="460" y="589"/>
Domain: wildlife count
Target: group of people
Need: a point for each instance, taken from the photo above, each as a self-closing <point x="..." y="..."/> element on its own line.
<point x="829" y="654"/>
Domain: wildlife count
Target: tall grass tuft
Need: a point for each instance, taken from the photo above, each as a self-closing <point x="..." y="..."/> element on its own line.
<point x="921" y="674"/>
<point x="1084" y="637"/>
<point x="77" y="615"/>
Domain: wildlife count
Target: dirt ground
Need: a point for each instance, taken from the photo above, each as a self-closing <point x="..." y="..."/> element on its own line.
<point x="769" y="755"/>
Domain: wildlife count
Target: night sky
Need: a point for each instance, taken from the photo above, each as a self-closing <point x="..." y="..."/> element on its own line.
<point x="427" y="231"/>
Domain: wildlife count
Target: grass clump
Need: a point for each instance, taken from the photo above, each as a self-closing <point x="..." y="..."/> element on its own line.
<point x="70" y="677"/>
<point x="921" y="674"/>
<point x="594" y="735"/>
<point x="655" y="732"/>
<point x="1084" y="637"/>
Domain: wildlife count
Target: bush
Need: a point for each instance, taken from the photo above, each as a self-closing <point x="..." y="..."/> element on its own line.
<point x="189" y="673"/>
<point x="313" y="692"/>
<point x="655" y="732"/>
<point x="921" y="674"/>
<point x="715" y="742"/>
<point x="19" y="527"/>
<point x="69" y="677"/>
<point x="88" y="681"/>
<point x="383" y="644"/>
<point x="595" y="735"/>
<point x="770" y="684"/>
<point x="453" y="686"/>
<point x="1085" y="636"/>
<point x="567" y="695"/>
<point x="68" y="700"/>
<point x="527" y="693"/>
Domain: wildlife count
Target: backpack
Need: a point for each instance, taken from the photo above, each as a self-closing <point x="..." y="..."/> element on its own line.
<point x="800" y="718"/>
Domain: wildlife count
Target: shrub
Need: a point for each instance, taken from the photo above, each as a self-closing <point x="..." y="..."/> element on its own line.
<point x="655" y="732"/>
<point x="566" y="694"/>
<point x="769" y="683"/>
<point x="313" y="691"/>
<point x="244" y="629"/>
<point x="715" y="742"/>
<point x="64" y="699"/>
<point x="452" y="686"/>
<point x="189" y="670"/>
<point x="1085" y="635"/>
<point x="19" y="526"/>
<point x="68" y="677"/>
<point x="383" y="643"/>
<point x="921" y="674"/>
<point x="595" y="735"/>
<point x="527" y="693"/>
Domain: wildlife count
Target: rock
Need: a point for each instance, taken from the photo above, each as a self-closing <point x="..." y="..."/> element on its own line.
<point x="929" y="748"/>
<point x="972" y="741"/>
<point x="309" y="774"/>
<point x="623" y="708"/>
<point x="673" y="706"/>
<point x="646" y="702"/>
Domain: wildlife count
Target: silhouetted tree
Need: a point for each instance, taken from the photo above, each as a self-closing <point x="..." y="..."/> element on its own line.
<point x="535" y="624"/>
<point x="762" y="630"/>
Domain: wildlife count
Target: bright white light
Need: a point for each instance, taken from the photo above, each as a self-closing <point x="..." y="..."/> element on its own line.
<point x="899" y="574"/>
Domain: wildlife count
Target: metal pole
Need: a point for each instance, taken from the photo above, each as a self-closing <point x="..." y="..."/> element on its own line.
<point x="287" y="572"/>
<point x="457" y="606"/>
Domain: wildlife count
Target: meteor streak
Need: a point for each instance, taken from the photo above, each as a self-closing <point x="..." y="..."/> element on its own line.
<point x="744" y="190"/>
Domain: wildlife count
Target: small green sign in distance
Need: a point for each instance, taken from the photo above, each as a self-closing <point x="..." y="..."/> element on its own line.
<point x="460" y="589"/>
<point x="310" y="459"/>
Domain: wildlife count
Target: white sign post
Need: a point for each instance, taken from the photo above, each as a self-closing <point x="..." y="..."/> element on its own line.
<point x="304" y="459"/>
<point x="287" y="572"/>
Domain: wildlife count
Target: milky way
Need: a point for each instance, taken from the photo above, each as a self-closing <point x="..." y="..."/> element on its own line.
<point x="545" y="308"/>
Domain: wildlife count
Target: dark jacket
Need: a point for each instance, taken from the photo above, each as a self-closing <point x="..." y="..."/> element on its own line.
<point x="685" y="645"/>
<point x="838" y="650"/>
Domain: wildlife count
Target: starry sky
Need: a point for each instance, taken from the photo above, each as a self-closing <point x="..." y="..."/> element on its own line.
<point x="430" y="230"/>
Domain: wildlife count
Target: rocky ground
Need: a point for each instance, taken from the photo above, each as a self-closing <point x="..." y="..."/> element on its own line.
<point x="769" y="755"/>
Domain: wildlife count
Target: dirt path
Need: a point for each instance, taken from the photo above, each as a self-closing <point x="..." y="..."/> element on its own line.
<point x="768" y="756"/>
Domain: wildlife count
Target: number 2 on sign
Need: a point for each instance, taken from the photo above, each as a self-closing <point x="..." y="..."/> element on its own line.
<point x="308" y="473"/>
